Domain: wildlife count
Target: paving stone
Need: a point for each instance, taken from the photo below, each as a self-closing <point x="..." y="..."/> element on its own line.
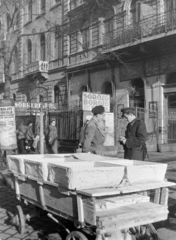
<point x="11" y="231"/>
<point x="4" y="236"/>
<point x="4" y="227"/>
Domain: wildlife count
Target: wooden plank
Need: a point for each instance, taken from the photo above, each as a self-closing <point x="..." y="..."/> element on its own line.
<point x="157" y="195"/>
<point x="80" y="209"/>
<point x="164" y="196"/>
<point x="132" y="222"/>
<point x="139" y="187"/>
<point x="60" y="202"/>
<point x="99" y="192"/>
<point x="130" y="209"/>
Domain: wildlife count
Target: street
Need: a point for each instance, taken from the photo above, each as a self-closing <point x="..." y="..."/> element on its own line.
<point x="42" y="228"/>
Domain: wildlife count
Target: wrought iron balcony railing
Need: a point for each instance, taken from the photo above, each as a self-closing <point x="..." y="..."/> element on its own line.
<point x="39" y="66"/>
<point x="149" y="27"/>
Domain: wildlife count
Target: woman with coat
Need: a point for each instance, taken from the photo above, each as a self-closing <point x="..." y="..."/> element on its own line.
<point x="52" y="137"/>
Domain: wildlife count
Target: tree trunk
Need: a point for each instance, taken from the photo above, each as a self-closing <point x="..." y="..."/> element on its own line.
<point x="7" y="84"/>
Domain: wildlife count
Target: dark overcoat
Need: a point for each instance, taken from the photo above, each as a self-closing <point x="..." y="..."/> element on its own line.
<point x="135" y="134"/>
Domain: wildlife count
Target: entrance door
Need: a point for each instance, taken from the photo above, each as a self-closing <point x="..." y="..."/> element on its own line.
<point x="171" y="118"/>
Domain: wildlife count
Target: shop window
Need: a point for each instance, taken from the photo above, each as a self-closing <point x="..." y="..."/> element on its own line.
<point x="137" y="93"/>
<point x="29" y="49"/>
<point x="56" y="94"/>
<point x="42" y="48"/>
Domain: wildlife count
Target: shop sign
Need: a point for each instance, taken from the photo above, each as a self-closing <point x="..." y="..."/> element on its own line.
<point x="35" y="107"/>
<point x="90" y="100"/>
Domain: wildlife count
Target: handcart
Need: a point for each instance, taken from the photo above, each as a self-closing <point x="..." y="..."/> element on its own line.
<point x="120" y="211"/>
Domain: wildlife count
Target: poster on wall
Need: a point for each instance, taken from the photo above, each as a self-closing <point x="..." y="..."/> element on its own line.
<point x="7" y="128"/>
<point x="90" y="100"/>
<point x="109" y="123"/>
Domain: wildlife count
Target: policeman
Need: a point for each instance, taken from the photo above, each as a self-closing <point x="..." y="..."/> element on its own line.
<point x="135" y="136"/>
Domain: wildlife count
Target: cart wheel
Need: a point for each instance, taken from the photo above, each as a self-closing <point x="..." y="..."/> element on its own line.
<point x="147" y="232"/>
<point x="20" y="221"/>
<point x="76" y="235"/>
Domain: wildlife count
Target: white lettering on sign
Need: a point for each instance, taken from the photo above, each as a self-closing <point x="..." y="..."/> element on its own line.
<point x="34" y="106"/>
<point x="90" y="100"/>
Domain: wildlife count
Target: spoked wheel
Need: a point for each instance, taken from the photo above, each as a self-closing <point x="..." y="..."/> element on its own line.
<point x="76" y="235"/>
<point x="145" y="232"/>
<point x="20" y="219"/>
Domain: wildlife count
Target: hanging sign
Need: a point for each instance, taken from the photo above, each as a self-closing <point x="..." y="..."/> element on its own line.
<point x="7" y="126"/>
<point x="90" y="100"/>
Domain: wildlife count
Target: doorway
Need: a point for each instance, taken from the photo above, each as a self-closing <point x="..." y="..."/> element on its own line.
<point x="171" y="117"/>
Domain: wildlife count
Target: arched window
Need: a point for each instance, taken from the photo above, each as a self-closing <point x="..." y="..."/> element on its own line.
<point x="42" y="47"/>
<point x="107" y="88"/>
<point x="30" y="10"/>
<point x="29" y="49"/>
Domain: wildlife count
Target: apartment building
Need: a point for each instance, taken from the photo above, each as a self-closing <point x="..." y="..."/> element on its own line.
<point x="128" y="48"/>
<point x="123" y="48"/>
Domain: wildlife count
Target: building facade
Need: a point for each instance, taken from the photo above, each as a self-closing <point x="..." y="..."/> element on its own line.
<point x="123" y="48"/>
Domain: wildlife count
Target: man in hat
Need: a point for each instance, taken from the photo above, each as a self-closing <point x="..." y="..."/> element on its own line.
<point x="135" y="136"/>
<point x="94" y="134"/>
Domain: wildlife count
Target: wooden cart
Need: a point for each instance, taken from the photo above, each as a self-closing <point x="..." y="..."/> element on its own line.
<point x="120" y="212"/>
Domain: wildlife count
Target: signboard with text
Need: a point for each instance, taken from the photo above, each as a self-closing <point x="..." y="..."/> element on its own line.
<point x="90" y="100"/>
<point x="35" y="107"/>
<point x="7" y="128"/>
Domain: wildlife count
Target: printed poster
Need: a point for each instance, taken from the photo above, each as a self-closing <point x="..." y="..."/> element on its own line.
<point x="7" y="128"/>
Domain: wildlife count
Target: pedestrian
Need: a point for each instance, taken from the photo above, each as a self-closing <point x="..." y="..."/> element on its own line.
<point x="94" y="134"/>
<point x="30" y="135"/>
<point x="83" y="129"/>
<point x="21" y="137"/>
<point x="52" y="136"/>
<point x="36" y="137"/>
<point x="135" y="136"/>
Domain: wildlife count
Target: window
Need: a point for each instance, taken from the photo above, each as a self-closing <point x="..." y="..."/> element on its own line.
<point x="58" y="46"/>
<point x="43" y="6"/>
<point x="14" y="97"/>
<point x="29" y="49"/>
<point x="86" y="39"/>
<point x="95" y="35"/>
<point x="30" y="10"/>
<point x="56" y="94"/>
<point x="74" y="43"/>
<point x="143" y="9"/>
<point x="109" y="28"/>
<point x="41" y="98"/>
<point x="75" y="3"/>
<point x="42" y="47"/>
<point x="170" y="5"/>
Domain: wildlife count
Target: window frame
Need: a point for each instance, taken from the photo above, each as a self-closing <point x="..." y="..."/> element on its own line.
<point x="29" y="51"/>
<point x="42" y="47"/>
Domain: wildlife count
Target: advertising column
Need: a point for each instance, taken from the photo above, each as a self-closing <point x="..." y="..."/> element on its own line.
<point x="7" y="125"/>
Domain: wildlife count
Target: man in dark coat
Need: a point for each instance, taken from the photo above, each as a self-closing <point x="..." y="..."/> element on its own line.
<point x="135" y="136"/>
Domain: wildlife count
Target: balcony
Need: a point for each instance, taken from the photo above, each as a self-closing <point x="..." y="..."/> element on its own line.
<point x="39" y="66"/>
<point x="151" y="27"/>
<point x="55" y="64"/>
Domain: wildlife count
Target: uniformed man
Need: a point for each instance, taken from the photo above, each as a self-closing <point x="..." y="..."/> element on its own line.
<point x="135" y="136"/>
